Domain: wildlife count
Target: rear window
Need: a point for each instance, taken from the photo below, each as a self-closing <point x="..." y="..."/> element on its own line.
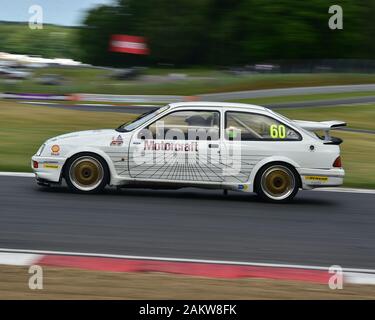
<point x="257" y="127"/>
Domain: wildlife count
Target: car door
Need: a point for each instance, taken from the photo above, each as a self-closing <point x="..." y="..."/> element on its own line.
<point x="250" y="137"/>
<point x="184" y="145"/>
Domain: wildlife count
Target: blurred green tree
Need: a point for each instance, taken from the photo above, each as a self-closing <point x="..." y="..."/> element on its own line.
<point x="226" y="32"/>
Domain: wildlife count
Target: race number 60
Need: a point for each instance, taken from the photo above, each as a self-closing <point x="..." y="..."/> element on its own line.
<point x="277" y="131"/>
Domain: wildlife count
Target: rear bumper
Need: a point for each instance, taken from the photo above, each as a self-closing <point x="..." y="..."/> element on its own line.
<point x="315" y="178"/>
<point x="48" y="168"/>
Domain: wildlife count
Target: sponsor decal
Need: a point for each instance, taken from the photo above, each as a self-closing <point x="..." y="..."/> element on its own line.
<point x="232" y="133"/>
<point x="243" y="187"/>
<point x="316" y="178"/>
<point x="55" y="150"/>
<point x="50" y="166"/>
<point x="170" y="146"/>
<point x="117" y="141"/>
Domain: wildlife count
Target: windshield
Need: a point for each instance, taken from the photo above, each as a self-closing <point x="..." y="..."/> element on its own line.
<point x="143" y="118"/>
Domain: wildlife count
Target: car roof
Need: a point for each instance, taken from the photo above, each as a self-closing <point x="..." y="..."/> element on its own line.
<point x="217" y="104"/>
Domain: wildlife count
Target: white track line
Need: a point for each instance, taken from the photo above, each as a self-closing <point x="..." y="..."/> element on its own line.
<point x="113" y="105"/>
<point x="17" y="174"/>
<point x="242" y="263"/>
<point x="349" y="190"/>
<point x="359" y="278"/>
<point x="38" y="103"/>
<point x="18" y="259"/>
<point x="93" y="105"/>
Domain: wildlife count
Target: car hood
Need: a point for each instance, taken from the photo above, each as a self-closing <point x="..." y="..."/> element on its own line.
<point x="82" y="134"/>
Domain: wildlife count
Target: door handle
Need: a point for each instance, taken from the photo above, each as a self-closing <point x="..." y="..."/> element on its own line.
<point x="213" y="145"/>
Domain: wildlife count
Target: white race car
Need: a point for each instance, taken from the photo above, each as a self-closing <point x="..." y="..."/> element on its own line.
<point x="215" y="145"/>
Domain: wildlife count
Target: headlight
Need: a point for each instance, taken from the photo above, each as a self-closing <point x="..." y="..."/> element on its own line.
<point x="40" y="151"/>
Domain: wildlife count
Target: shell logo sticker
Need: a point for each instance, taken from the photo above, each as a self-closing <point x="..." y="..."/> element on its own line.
<point x="55" y="149"/>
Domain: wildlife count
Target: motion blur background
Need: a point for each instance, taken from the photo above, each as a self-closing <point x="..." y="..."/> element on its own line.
<point x="95" y="63"/>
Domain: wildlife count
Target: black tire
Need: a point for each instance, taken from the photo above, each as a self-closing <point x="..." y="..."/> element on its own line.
<point x="277" y="182"/>
<point x="86" y="173"/>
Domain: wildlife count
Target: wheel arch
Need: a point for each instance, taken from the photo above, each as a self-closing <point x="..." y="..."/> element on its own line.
<point x="95" y="152"/>
<point x="270" y="161"/>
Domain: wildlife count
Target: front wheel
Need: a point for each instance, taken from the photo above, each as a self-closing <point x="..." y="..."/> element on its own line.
<point x="277" y="183"/>
<point x="86" y="173"/>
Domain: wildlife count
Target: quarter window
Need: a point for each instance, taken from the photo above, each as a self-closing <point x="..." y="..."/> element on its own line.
<point x="251" y="126"/>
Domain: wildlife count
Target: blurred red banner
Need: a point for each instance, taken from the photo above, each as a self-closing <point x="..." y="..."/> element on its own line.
<point x="128" y="44"/>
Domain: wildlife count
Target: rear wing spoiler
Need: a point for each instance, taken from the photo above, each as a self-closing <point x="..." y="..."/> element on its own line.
<point x="325" y="126"/>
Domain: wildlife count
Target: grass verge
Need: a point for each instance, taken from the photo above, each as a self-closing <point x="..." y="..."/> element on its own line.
<point x="357" y="149"/>
<point x="81" y="284"/>
<point x="358" y="153"/>
<point x="356" y="116"/>
<point x="23" y="128"/>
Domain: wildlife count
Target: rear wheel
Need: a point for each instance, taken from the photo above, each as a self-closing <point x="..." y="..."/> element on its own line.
<point x="86" y="173"/>
<point x="277" y="183"/>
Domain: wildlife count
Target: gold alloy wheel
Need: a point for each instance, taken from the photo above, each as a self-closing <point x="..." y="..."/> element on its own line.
<point x="278" y="182"/>
<point x="86" y="173"/>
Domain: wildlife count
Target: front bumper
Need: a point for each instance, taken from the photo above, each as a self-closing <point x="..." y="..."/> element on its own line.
<point x="316" y="178"/>
<point x="48" y="169"/>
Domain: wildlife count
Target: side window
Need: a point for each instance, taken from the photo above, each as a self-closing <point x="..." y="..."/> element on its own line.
<point x="253" y="126"/>
<point x="185" y="125"/>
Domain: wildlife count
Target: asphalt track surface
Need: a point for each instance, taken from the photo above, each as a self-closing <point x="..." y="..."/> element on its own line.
<point x="142" y="109"/>
<point x="286" y="92"/>
<point x="318" y="228"/>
